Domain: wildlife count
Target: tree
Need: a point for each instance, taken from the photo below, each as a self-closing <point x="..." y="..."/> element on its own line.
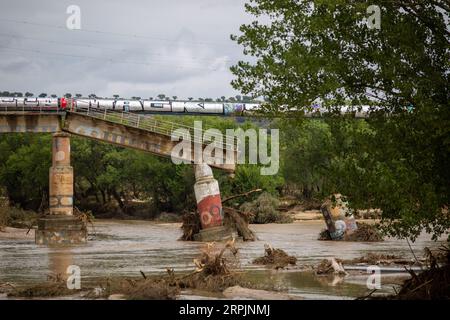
<point x="223" y="98"/>
<point x="174" y="97"/>
<point x="190" y="98"/>
<point x="42" y="95"/>
<point x="161" y="96"/>
<point x="29" y="94"/>
<point x="116" y="96"/>
<point x="18" y="94"/>
<point x="92" y="96"/>
<point x="306" y="154"/>
<point x="151" y="98"/>
<point x="68" y="95"/>
<point x="78" y="95"/>
<point x="322" y="51"/>
<point x="54" y="96"/>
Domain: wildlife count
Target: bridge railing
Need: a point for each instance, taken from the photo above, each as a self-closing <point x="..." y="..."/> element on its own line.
<point x="30" y="109"/>
<point x="151" y="124"/>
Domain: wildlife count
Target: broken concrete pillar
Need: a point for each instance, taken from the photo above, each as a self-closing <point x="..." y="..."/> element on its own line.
<point x="60" y="226"/>
<point x="338" y="218"/>
<point x="209" y="205"/>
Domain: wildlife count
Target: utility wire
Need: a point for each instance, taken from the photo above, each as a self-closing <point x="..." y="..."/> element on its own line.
<point x="96" y="47"/>
<point x="100" y="58"/>
<point x="128" y="35"/>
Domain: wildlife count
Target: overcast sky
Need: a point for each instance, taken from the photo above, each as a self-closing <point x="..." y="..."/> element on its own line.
<point x="131" y="48"/>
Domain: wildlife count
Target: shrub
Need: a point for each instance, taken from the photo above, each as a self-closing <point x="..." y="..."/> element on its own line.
<point x="264" y="210"/>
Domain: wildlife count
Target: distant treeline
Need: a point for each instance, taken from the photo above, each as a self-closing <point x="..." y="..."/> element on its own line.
<point x="161" y="96"/>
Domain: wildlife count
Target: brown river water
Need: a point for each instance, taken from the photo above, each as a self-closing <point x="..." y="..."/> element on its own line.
<point x="123" y="248"/>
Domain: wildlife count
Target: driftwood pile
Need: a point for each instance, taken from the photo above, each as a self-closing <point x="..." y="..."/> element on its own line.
<point x="365" y="233"/>
<point x="276" y="258"/>
<point x="234" y="219"/>
<point x="431" y="284"/>
<point x="330" y="266"/>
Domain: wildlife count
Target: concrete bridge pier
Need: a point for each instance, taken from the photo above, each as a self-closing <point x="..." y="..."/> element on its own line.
<point x="209" y="206"/>
<point x="60" y="226"/>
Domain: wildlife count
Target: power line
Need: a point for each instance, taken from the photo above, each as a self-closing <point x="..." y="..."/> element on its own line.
<point x="110" y="32"/>
<point x="98" y="58"/>
<point x="96" y="47"/>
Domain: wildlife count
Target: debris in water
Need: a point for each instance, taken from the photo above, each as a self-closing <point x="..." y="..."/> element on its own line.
<point x="275" y="257"/>
<point x="142" y="289"/>
<point x="233" y="219"/>
<point x="191" y="225"/>
<point x="373" y="258"/>
<point x="365" y="233"/>
<point x="55" y="286"/>
<point x="431" y="284"/>
<point x="214" y="272"/>
<point x="330" y="266"/>
<point x="256" y="294"/>
<point x="237" y="220"/>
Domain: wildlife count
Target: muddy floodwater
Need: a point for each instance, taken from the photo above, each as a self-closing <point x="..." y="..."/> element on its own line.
<point x="123" y="248"/>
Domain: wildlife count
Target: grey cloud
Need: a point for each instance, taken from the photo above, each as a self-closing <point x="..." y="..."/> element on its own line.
<point x="181" y="47"/>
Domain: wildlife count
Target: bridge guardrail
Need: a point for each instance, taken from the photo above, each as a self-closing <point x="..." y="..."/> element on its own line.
<point x="147" y="123"/>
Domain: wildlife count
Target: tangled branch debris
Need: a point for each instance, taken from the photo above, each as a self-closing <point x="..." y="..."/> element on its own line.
<point x="330" y="266"/>
<point x="214" y="272"/>
<point x="276" y="258"/>
<point x="431" y="284"/>
<point x="245" y="194"/>
<point x="142" y="289"/>
<point x="191" y="225"/>
<point x="237" y="220"/>
<point x="55" y="286"/>
<point x="365" y="233"/>
<point x="372" y="258"/>
<point x="233" y="219"/>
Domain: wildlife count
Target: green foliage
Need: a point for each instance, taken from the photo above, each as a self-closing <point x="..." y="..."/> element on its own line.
<point x="321" y="51"/>
<point x="264" y="210"/>
<point x="110" y="179"/>
<point x="306" y="154"/>
<point x="24" y="168"/>
<point x="248" y="177"/>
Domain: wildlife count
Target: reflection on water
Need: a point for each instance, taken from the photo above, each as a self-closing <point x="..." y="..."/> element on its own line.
<point x="59" y="261"/>
<point x="123" y="248"/>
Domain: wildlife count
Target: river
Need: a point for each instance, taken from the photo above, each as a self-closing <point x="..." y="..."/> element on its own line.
<point x="123" y="248"/>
